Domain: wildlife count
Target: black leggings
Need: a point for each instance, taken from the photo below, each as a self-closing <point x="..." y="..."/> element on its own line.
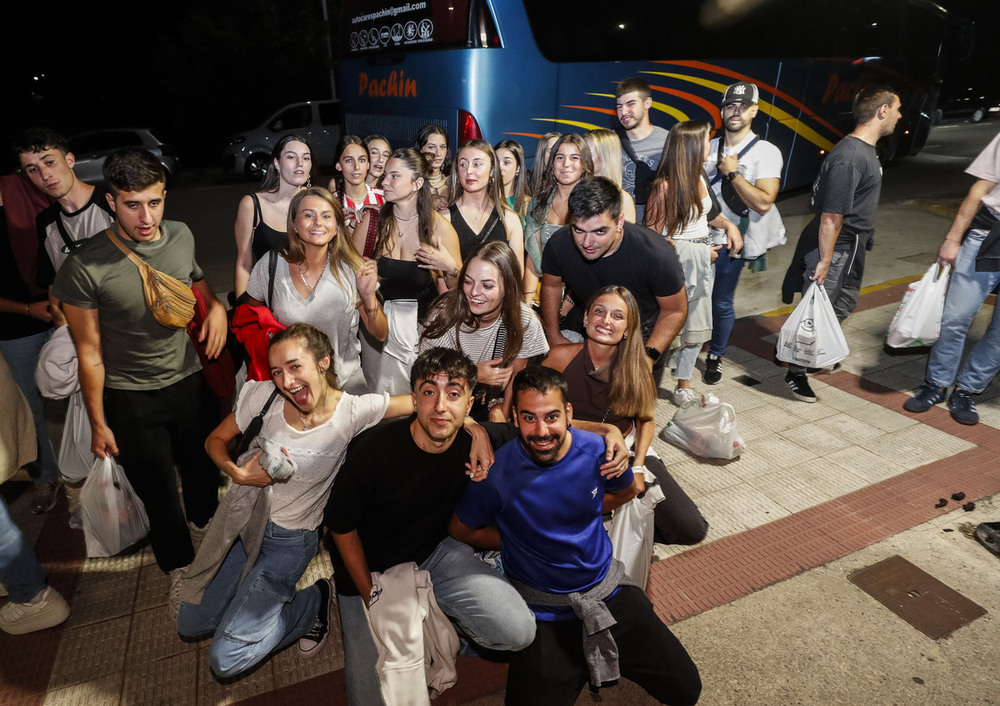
<point x="552" y="670"/>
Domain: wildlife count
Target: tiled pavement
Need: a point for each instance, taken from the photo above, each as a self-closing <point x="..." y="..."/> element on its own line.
<point x="817" y="482"/>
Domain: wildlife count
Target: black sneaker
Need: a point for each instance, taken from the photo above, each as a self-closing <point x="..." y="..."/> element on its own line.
<point x="963" y="407"/>
<point x="312" y="642"/>
<point x="713" y="370"/>
<point x="798" y="383"/>
<point x="925" y="397"/>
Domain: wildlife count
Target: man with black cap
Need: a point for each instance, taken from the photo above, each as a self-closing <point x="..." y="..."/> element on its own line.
<point x="745" y="173"/>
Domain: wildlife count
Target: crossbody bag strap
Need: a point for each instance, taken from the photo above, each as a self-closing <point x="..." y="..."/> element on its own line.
<point x="272" y="269"/>
<point x="372" y="233"/>
<point x="71" y="244"/>
<point x="627" y="146"/>
<point x="128" y="253"/>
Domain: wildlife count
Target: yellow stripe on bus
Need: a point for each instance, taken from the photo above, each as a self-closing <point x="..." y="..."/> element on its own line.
<point x="574" y="123"/>
<point x="678" y="114"/>
<point x="790" y="121"/>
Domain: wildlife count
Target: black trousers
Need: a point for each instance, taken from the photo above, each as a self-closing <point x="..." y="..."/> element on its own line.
<point x="156" y="430"/>
<point x="552" y="670"/>
<point x="676" y="519"/>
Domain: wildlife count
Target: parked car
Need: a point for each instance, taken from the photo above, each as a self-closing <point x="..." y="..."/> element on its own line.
<point x="319" y="122"/>
<point x="973" y="102"/>
<point x="92" y="148"/>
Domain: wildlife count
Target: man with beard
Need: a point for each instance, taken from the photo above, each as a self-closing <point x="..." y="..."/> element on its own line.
<point x="642" y="142"/>
<point x="541" y="507"/>
<point x="745" y="173"/>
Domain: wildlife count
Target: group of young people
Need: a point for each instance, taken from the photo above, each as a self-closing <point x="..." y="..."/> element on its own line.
<point x="403" y="346"/>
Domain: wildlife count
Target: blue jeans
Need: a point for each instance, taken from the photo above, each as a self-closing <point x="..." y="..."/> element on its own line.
<point x="479" y="600"/>
<point x="261" y="614"/>
<point x="21" y="355"/>
<point x="727" y="276"/>
<point x="966" y="294"/>
<point x="20" y="571"/>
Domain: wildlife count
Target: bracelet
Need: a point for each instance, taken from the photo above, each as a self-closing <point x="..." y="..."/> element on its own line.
<point x="27" y="309"/>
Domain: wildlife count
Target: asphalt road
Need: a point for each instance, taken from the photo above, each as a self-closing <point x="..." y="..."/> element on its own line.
<point x="207" y="200"/>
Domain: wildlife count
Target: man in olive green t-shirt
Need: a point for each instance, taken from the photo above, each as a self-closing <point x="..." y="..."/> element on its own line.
<point x="142" y="386"/>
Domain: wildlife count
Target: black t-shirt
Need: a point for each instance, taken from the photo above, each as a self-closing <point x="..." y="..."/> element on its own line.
<point x="849" y="183"/>
<point x="398" y="497"/>
<point x="645" y="263"/>
<point x="13" y="287"/>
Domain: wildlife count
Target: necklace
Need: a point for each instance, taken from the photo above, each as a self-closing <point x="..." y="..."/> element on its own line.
<point x="434" y="181"/>
<point x="305" y="425"/>
<point x="405" y="220"/>
<point x="302" y="276"/>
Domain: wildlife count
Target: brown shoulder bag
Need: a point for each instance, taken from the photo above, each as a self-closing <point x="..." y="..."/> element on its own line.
<point x="170" y="300"/>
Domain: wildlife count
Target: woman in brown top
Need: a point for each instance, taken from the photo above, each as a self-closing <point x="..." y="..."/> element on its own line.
<point x="609" y="381"/>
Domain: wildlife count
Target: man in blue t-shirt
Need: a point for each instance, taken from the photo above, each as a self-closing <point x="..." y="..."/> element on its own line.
<point x="541" y="507"/>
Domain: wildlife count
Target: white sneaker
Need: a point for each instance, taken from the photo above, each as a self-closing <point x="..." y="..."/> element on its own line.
<point x="684" y="395"/>
<point x="174" y="597"/>
<point x="45" y="610"/>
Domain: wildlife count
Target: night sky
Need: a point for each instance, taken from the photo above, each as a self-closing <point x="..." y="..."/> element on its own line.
<point x="202" y="71"/>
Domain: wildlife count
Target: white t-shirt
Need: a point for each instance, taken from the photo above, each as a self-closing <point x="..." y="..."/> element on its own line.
<point x="478" y="345"/>
<point x="298" y="503"/>
<point x="762" y="161"/>
<point x="329" y="307"/>
<point x="987" y="166"/>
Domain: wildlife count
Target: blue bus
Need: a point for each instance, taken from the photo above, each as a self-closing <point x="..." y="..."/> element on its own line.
<point x="517" y="69"/>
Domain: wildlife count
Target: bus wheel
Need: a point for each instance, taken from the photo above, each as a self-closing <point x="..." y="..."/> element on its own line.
<point x="886" y="149"/>
<point x="256" y="166"/>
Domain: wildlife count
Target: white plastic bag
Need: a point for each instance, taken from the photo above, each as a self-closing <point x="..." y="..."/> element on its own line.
<point x="918" y="319"/>
<point x="631" y="532"/>
<point x="75" y="457"/>
<point x="113" y="516"/>
<point x="812" y="337"/>
<point x="705" y="427"/>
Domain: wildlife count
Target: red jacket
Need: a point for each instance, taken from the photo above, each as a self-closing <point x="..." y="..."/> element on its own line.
<point x="253" y="325"/>
<point x="220" y="372"/>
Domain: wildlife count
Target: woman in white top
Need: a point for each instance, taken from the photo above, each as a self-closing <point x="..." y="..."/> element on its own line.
<point x="262" y="217"/>
<point x="324" y="282"/>
<point x="486" y="319"/>
<point x="606" y="151"/>
<point x="350" y="182"/>
<point x="678" y="206"/>
<point x="241" y="586"/>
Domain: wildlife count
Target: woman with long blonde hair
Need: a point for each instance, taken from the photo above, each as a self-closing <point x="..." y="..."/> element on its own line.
<point x="678" y="207"/>
<point x="609" y="381"/>
<point x="606" y="151"/>
<point x="324" y="282"/>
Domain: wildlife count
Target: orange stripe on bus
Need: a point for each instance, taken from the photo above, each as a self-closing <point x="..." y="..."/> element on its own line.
<point x="537" y="136"/>
<point x="596" y="110"/>
<point x="742" y="77"/>
<point x="707" y="106"/>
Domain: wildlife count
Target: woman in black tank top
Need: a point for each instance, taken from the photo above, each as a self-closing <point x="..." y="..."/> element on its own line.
<point x="289" y="171"/>
<point x="480" y="212"/>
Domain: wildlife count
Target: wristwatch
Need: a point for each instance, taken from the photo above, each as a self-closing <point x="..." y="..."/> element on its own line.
<point x="731" y="177"/>
<point x="653" y="353"/>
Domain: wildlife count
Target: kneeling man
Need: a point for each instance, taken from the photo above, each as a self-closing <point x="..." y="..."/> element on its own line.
<point x="541" y="506"/>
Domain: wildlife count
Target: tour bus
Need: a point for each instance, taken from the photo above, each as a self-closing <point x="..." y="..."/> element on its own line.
<point x="516" y="69"/>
